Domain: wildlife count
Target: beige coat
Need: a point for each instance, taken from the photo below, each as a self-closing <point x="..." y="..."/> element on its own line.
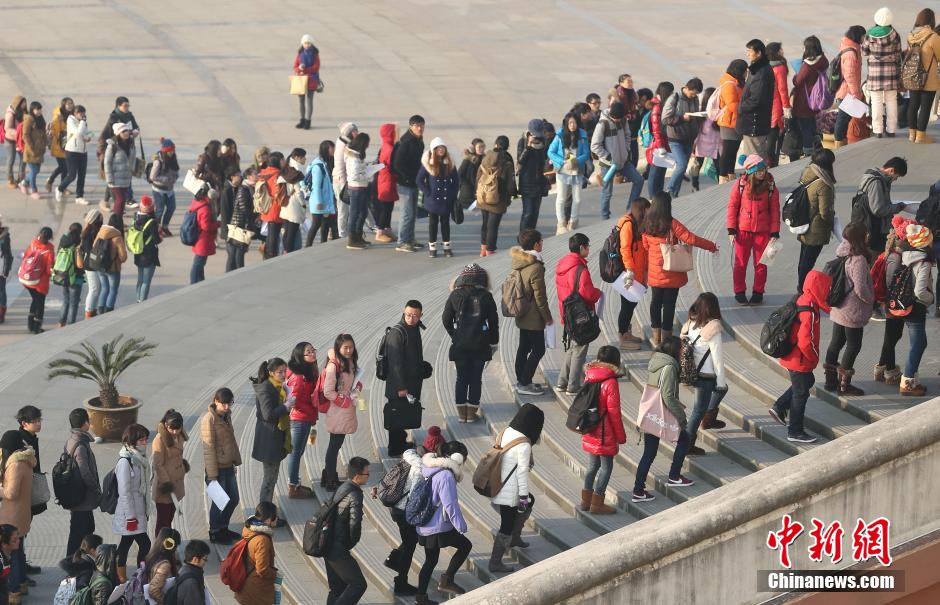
<point x="220" y="448"/>
<point x="929" y="54"/>
<point x="18" y="489"/>
<point x="34" y="140"/>
<point x="168" y="465"/>
<point x="118" y="248"/>
<point x="158" y="577"/>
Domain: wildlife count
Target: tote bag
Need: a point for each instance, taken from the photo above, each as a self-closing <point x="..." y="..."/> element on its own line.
<point x="298" y="85"/>
<point x="677" y="256"/>
<point x="654" y="417"/>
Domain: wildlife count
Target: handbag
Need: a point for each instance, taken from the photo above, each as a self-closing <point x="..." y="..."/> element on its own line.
<point x="191" y="183"/>
<point x="399" y="414"/>
<point x="140" y="163"/>
<point x="239" y="234"/>
<point x="298" y="85"/>
<point x="456" y="213"/>
<point x="320" y="85"/>
<point x="677" y="256"/>
<point x="40" y="493"/>
<point x="654" y="417"/>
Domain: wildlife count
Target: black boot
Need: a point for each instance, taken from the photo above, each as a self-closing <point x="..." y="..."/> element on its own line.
<point x="693" y="450"/>
<point x="832" y="377"/>
<point x="30" y="323"/>
<point x="401" y="587"/>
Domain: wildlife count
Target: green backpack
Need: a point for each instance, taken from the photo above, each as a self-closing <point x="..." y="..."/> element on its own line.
<point x="83" y="596"/>
<point x="135" y="238"/>
<point x="63" y="270"/>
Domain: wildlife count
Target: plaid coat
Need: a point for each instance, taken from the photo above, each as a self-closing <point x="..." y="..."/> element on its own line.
<point x="884" y="61"/>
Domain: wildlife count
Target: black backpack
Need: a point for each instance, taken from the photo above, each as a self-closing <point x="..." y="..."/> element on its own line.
<point x="470" y="322"/>
<point x="840" y="282"/>
<point x="318" y="531"/>
<point x="101" y="255"/>
<point x="109" y="493"/>
<point x="581" y="322"/>
<point x="861" y="212"/>
<point x="688" y="369"/>
<point x="170" y="596"/>
<point x="584" y="414"/>
<point x="901" y="298"/>
<point x="775" y="336"/>
<point x="609" y="258"/>
<point x="928" y="213"/>
<point x="835" y="77"/>
<point x="67" y="482"/>
<point x="796" y="209"/>
<point x="394" y="485"/>
<point x="381" y="356"/>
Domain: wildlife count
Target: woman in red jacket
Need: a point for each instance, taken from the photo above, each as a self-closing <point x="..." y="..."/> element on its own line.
<point x="34" y="274"/>
<point x="753" y="222"/>
<point x="601" y="443"/>
<point x="307" y="63"/>
<point x="301" y="381"/>
<point x="277" y="189"/>
<point x="660" y="228"/>
<point x="781" y="112"/>
<point x="657" y="177"/>
<point x="208" y="229"/>
<point x="386" y="187"/>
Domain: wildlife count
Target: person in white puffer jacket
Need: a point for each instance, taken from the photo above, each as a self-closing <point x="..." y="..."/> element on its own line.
<point x="514" y="501"/>
<point x="703" y="332"/>
<point x="76" y="158"/>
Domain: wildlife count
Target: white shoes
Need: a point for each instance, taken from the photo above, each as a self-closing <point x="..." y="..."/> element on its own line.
<point x="81" y="201"/>
<point x="58" y="195"/>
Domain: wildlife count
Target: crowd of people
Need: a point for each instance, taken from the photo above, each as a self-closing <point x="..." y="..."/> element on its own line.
<point x="883" y="271"/>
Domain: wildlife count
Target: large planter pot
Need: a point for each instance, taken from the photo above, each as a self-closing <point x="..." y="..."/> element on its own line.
<point x="109" y="423"/>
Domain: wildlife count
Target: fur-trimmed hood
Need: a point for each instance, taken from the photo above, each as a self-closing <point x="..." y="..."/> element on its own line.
<point x="599" y="371"/>
<point x="27" y="454"/>
<point x="428" y="161"/>
<point x="254" y="526"/>
<point x="432" y="464"/>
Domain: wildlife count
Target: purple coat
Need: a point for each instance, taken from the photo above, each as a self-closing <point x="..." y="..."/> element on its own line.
<point x="855" y="310"/>
<point x="708" y="141"/>
<point x="447" y="514"/>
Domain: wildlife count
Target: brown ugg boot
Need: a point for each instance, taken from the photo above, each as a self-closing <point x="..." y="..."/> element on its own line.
<point x="832" y="377"/>
<point x="879" y="373"/>
<point x="710" y="420"/>
<point x="657" y="337"/>
<point x="598" y="507"/>
<point x="586" y="499"/>
<point x="845" y="384"/>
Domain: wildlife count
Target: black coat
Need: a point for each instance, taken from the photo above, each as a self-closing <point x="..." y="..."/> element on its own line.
<point x="81" y="570"/>
<point x="6" y="253"/>
<point x="757" y="100"/>
<point x="477" y="346"/>
<point x="532" y="181"/>
<point x="405" y="360"/>
<point x="191" y="586"/>
<point x="269" y="440"/>
<point x="348" y="528"/>
<point x="467" y="175"/>
<point x="406" y="159"/>
<point x="150" y="257"/>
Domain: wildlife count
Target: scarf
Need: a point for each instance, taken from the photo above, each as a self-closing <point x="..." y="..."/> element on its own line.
<point x="308" y="55"/>
<point x="283" y="423"/>
<point x="879" y="31"/>
<point x="140" y="461"/>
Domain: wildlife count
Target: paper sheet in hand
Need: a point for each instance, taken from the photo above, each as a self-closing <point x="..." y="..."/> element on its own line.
<point x="634" y="293"/>
<point x="373" y="169"/>
<point x="696" y="114"/>
<point x="599" y="307"/>
<point x="854" y="107"/>
<point x="217" y="495"/>
<point x="909" y="206"/>
<point x="117" y="593"/>
<point x="770" y="253"/>
<point x="473" y="209"/>
<point x="837" y="228"/>
<point x="550" y="336"/>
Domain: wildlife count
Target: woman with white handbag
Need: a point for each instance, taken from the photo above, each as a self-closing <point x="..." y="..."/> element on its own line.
<point x="669" y="246"/>
<point x="239" y="230"/>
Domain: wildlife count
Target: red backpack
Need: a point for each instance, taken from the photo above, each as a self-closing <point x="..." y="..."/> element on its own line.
<point x="319" y="399"/>
<point x="234" y="568"/>
<point x="32" y="268"/>
<point x="878" y="277"/>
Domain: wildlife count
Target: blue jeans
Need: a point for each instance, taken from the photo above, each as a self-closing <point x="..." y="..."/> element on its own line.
<point x="681" y="152"/>
<point x="94" y="290"/>
<point x="629" y="172"/>
<point x="17" y="567"/>
<point x="531" y="204"/>
<point x="650" y="447"/>
<point x="917" y="337"/>
<point x="656" y="180"/>
<point x="299" y="431"/>
<point x="219" y="519"/>
<point x="32" y="171"/>
<point x="165" y="205"/>
<point x="198" y="271"/>
<point x="71" y="297"/>
<point x="358" y="206"/>
<point x="604" y="464"/>
<point x="110" y="282"/>
<point x="408" y="203"/>
<point x="144" y="277"/>
<point x="793" y="400"/>
<point x="808" y="133"/>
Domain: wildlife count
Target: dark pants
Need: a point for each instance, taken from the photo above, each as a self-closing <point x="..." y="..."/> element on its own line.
<point x="529" y="354"/>
<point x="657" y="180"/>
<point x="358" y="208"/>
<point x="877" y="241"/>
<point x="531" y="204"/>
<point x="650" y="447"/>
<point x="219" y="519"/>
<point x="290" y="236"/>
<point x="272" y="245"/>
<point x="124" y="547"/>
<point x="76" y="166"/>
<point x="409" y="540"/>
<point x="61" y="169"/>
<point x="793" y="400"/>
<point x="489" y="229"/>
<point x="165" y="513"/>
<point x="774" y="139"/>
<point x="894" y="328"/>
<point x="663" y="307"/>
<point x="433" y="221"/>
<point x="236" y="256"/>
<point x="325" y="224"/>
<point x="397" y="441"/>
<point x="121" y="195"/>
<point x="808" y="256"/>
<point x="807" y="128"/>
<point x="197" y="272"/>
<point x="81" y="523"/>
<point x="918" y="110"/>
<point x="851" y="339"/>
<point x="382" y="213"/>
<point x="626" y="315"/>
<point x="332" y="453"/>
<point x="728" y="157"/>
<point x="704" y="400"/>
<point x="841" y="129"/>
<point x="37" y="308"/>
<point x="432" y="555"/>
<point x="469" y="381"/>
<point x="347" y="584"/>
<point x="507" y="519"/>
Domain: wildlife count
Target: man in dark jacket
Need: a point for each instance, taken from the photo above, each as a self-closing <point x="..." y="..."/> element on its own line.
<point x="757" y="102"/>
<point x="6" y="256"/>
<point x="82" y="520"/>
<point x="533" y="185"/>
<point x="681" y="129"/>
<point x="347" y="584"/>
<point x="406" y="161"/>
<point x="190" y="581"/>
<point x="876" y="185"/>
<point x="407" y="371"/>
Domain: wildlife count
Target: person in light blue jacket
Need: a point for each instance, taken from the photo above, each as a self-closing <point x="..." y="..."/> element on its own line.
<point x="447" y="526"/>
<point x="321" y="199"/>
<point x="569" y="152"/>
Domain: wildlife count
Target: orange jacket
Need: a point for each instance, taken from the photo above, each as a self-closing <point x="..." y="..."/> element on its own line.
<point x="278" y="194"/>
<point x="631" y="248"/>
<point x="671" y="279"/>
<point x="730" y="93"/>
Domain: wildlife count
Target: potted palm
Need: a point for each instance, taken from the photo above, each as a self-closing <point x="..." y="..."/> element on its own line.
<point x="110" y="413"/>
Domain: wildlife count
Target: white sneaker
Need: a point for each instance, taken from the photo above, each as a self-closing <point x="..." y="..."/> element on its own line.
<point x="81" y="201"/>
<point x="58" y="195"/>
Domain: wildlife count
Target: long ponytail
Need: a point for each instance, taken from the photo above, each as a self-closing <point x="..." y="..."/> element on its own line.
<point x="265" y="368"/>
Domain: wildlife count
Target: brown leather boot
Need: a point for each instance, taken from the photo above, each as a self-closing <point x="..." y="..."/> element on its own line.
<point x="845" y="384"/>
<point x="832" y="377"/>
<point x="299" y="492"/>
<point x="710" y="420"/>
<point x="598" y="507"/>
<point x="586" y="498"/>
<point x="122" y="573"/>
<point x="657" y="337"/>
<point x="693" y="449"/>
<point x="3" y="314"/>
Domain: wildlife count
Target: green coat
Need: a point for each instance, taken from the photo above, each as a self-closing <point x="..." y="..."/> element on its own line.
<point x="821" y="191"/>
<point x="533" y="279"/>
<point x="662" y="365"/>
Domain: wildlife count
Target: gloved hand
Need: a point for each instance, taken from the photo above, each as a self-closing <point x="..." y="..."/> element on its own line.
<point x="523" y="503"/>
<point x="628" y="278"/>
<point x="132" y="525"/>
<point x="165" y="488"/>
<point x="787" y="113"/>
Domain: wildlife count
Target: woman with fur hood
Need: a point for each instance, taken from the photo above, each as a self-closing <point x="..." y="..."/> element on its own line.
<point x="447" y="526"/>
<point x="601" y="443"/>
<point x="169" y="467"/>
<point x="19" y="461"/>
<point x="438" y="181"/>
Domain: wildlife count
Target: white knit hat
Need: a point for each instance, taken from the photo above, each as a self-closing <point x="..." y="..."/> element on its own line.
<point x="306" y="38"/>
<point x="120" y="127"/>
<point x="884" y="16"/>
<point x="438" y="142"/>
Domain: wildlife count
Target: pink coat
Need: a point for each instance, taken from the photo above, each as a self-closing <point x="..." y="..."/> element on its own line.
<point x="851" y="70"/>
<point x="208" y="228"/>
<point x="855" y="309"/>
<point x="341" y="417"/>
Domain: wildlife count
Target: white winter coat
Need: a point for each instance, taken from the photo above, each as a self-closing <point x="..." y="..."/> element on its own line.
<point x="708" y="339"/>
<point x="296" y="209"/>
<point x="76" y="135"/>
<point x="413" y="458"/>
<point x="520" y="458"/>
<point x="133" y="488"/>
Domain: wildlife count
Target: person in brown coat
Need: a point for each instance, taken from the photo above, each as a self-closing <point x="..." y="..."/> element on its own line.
<point x="169" y="467"/>
<point x="19" y="460"/>
<point x="220" y="457"/>
<point x="496" y="186"/>
<point x="34" y="147"/>
<point x="258" y="530"/>
<point x="111" y="278"/>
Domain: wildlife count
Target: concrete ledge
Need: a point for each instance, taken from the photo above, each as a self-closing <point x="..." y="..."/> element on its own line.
<point x="716" y="543"/>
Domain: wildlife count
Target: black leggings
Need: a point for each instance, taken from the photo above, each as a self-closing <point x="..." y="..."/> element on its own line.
<point x="332" y="452"/>
<point x="289" y="240"/>
<point x="61" y="169"/>
<point x="432" y="555"/>
<point x="894" y="328"/>
<point x="143" y="547"/>
<point x="918" y="110"/>
<point x="489" y="230"/>
<point x="325" y="224"/>
<point x="433" y="220"/>
<point x="507" y="518"/>
<point x="728" y="157"/>
<point x="663" y="307"/>
<point x="851" y="339"/>
<point x="37" y="308"/>
<point x="382" y="213"/>
<point x="626" y="315"/>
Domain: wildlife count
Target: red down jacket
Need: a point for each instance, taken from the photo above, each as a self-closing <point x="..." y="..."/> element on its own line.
<point x="757" y="214"/>
<point x="606" y="436"/>
<point x="303" y="390"/>
<point x="805" y="335"/>
<point x="565" y="273"/>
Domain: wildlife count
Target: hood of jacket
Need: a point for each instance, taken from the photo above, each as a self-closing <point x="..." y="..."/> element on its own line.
<point x="708" y="332"/>
<point x="431" y="464"/>
<point x="569" y="263"/>
<point x="108" y="232"/>
<point x="919" y="35"/>
<point x="345" y="488"/>
<point x="387" y="133"/>
<point x="816" y="287"/>
<point x="106" y="559"/>
<point x="27" y="454"/>
<point x="813" y="172"/>
<point x="844" y="248"/>
<point x="16" y="102"/>
<point x="756" y="66"/>
<point x="73" y="568"/>
<point x="168" y="439"/>
<point x="470" y="155"/>
<point x="254" y="526"/>
<point x="599" y="371"/>
<point x="188" y="570"/>
<point x="660" y="360"/>
<point x="492" y="158"/>
<point x="522" y="258"/>
<point x="879" y="38"/>
<point x="908" y="257"/>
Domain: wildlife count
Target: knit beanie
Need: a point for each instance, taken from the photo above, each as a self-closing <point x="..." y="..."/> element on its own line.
<point x="884" y="17"/>
<point x="306" y="38"/>
<point x="433" y="440"/>
<point x="919" y="236"/>
<point x="166" y="144"/>
<point x="899" y="224"/>
<point x="146" y="204"/>
<point x="752" y="163"/>
<point x="473" y="275"/>
<point x="120" y="127"/>
<point x="91" y="216"/>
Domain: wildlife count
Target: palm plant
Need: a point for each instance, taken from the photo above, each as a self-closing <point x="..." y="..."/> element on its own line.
<point x="104" y="367"/>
